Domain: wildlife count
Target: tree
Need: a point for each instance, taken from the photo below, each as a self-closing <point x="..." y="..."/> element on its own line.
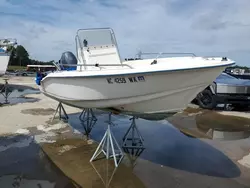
<point x="13" y="58"/>
<point x="22" y="56"/>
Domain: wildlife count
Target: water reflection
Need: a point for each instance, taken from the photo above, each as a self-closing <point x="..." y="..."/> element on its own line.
<point x="88" y="121"/>
<point x="213" y="125"/>
<point x="106" y="170"/>
<point x="17" y="95"/>
<point x="23" y="164"/>
<point x="133" y="154"/>
<point x="165" y="145"/>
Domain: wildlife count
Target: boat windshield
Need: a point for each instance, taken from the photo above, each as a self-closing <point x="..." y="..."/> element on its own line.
<point x="96" y="37"/>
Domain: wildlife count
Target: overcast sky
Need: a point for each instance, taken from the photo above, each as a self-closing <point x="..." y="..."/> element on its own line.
<point x="46" y="28"/>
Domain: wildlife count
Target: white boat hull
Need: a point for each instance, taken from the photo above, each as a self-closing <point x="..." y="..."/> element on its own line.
<point x="4" y="61"/>
<point x="159" y="92"/>
<point x="142" y="86"/>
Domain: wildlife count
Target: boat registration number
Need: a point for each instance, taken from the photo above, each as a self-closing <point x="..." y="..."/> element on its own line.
<point x="123" y="80"/>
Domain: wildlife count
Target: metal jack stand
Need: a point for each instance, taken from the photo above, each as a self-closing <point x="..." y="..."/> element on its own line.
<point x="5" y="91"/>
<point x="60" y="109"/>
<point x="88" y="120"/>
<point x="133" y="154"/>
<point x="87" y="114"/>
<point x="136" y="142"/>
<point x="106" y="174"/>
<point x="107" y="141"/>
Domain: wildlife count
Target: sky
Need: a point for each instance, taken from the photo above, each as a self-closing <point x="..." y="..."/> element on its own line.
<point x="47" y="28"/>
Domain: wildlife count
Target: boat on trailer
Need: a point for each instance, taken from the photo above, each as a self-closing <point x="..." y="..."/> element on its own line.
<point x="5" y="53"/>
<point x="99" y="78"/>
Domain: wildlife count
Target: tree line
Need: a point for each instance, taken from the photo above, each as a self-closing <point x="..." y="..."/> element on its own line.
<point x="20" y="57"/>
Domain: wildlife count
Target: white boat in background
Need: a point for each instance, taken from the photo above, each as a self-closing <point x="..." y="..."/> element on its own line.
<point x="142" y="86"/>
<point x="5" y="54"/>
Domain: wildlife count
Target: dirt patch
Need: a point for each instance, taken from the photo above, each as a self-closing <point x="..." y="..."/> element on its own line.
<point x="75" y="164"/>
<point x="39" y="111"/>
<point x="213" y="120"/>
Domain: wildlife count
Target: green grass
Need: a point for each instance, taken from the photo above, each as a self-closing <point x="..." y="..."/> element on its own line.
<point x="13" y="68"/>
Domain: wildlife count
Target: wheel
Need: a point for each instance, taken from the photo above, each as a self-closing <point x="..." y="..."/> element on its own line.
<point x="206" y="99"/>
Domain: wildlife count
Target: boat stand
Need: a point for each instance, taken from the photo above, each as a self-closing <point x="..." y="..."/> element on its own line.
<point x="106" y="172"/>
<point x="61" y="111"/>
<point x="5" y="91"/>
<point x="136" y="140"/>
<point x="133" y="154"/>
<point x="87" y="114"/>
<point x="88" y="120"/>
<point x="108" y="141"/>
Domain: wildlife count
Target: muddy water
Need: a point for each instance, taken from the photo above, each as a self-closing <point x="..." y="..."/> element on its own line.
<point x="24" y="165"/>
<point x="16" y="94"/>
<point x="72" y="157"/>
<point x="165" y="145"/>
<point x="212" y="125"/>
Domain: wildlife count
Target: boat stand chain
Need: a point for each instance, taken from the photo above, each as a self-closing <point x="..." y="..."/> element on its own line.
<point x="60" y="109"/>
<point x="88" y="120"/>
<point x="5" y="91"/>
<point x="135" y="138"/>
<point x="108" y="141"/>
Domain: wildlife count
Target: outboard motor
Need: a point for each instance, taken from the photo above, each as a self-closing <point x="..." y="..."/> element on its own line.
<point x="68" y="58"/>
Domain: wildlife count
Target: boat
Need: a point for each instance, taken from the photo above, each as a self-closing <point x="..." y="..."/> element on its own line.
<point x="5" y="54"/>
<point x="97" y="77"/>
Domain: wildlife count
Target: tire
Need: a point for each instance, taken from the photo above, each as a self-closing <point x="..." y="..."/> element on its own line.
<point x="206" y="99"/>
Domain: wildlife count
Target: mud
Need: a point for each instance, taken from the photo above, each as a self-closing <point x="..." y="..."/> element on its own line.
<point x="200" y="123"/>
<point x="75" y="164"/>
<point x="216" y="121"/>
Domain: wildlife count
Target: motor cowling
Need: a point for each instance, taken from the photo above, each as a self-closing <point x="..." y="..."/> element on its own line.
<point x="68" y="58"/>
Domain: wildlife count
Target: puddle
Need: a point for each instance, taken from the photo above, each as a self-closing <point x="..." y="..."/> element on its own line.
<point x="222" y="127"/>
<point x="17" y="95"/>
<point x="72" y="157"/>
<point x="212" y="125"/>
<point x="39" y="111"/>
<point x="19" y="142"/>
<point x="20" y="182"/>
<point x="165" y="145"/>
<point x="24" y="165"/>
